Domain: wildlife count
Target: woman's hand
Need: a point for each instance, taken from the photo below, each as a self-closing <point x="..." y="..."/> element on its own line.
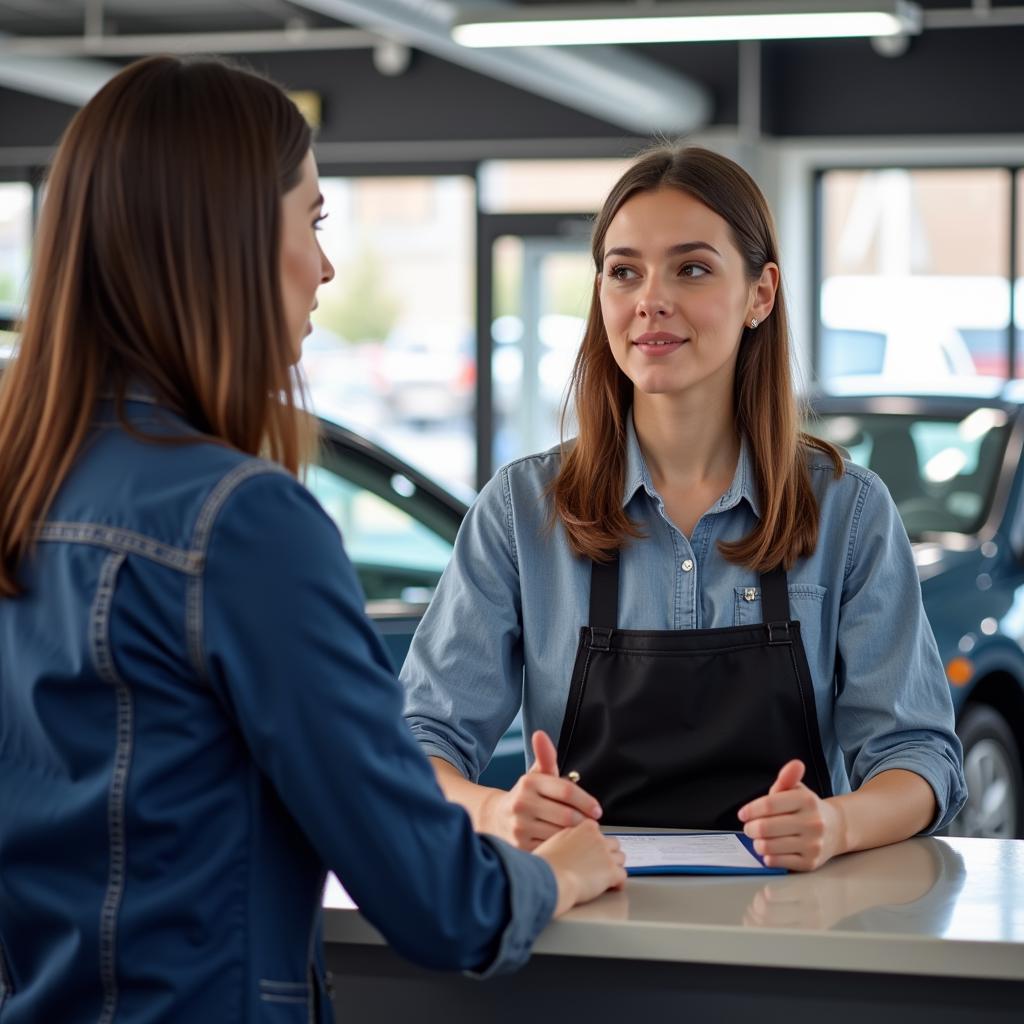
<point x="539" y="805"/>
<point x="585" y="862"/>
<point x="792" y="827"/>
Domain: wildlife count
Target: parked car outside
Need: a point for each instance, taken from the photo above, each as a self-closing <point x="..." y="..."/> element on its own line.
<point x="426" y="375"/>
<point x="901" y="327"/>
<point x="952" y="463"/>
<point x="399" y="528"/>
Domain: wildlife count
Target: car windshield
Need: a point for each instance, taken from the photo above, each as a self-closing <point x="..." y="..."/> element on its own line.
<point x="940" y="470"/>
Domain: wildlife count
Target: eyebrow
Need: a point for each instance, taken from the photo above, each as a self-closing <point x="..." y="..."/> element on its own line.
<point x="319" y="201"/>
<point x="676" y="250"/>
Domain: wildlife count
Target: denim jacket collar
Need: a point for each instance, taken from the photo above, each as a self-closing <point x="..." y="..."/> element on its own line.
<point x="637" y="475"/>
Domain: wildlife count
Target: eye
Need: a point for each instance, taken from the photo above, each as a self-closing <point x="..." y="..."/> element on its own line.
<point x="621" y="272"/>
<point x="693" y="270"/>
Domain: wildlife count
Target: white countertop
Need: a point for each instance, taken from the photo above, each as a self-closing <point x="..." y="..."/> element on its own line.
<point x="949" y="907"/>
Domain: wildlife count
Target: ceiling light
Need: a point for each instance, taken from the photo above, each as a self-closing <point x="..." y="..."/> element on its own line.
<point x="592" y="24"/>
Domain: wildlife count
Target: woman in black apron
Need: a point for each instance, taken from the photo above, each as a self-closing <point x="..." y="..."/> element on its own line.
<point x="685" y="369"/>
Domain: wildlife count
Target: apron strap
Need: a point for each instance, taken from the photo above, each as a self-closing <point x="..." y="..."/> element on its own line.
<point x="604" y="593"/>
<point x="775" y="596"/>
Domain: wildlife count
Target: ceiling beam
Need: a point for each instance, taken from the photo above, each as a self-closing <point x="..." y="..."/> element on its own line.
<point x="607" y="82"/>
<point x="63" y="79"/>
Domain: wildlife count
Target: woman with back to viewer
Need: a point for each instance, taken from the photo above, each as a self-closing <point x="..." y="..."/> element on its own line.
<point x="716" y="619"/>
<point x="196" y="718"/>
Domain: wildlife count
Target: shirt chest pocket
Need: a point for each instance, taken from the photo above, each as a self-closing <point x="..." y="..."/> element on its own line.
<point x="807" y="603"/>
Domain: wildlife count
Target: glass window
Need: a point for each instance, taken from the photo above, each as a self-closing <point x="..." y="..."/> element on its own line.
<point x="396" y="556"/>
<point x="15" y="246"/>
<point x="941" y="471"/>
<point x="915" y="268"/>
<point x="393" y="351"/>
<point x="1018" y="297"/>
<point x="542" y="290"/>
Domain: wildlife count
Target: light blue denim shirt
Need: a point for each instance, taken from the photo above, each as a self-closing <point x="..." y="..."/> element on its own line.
<point x="502" y="629"/>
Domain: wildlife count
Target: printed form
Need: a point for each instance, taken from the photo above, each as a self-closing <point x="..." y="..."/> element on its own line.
<point x="716" y="850"/>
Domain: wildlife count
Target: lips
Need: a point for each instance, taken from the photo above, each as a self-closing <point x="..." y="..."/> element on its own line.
<point x="652" y="338"/>
<point x="659" y="343"/>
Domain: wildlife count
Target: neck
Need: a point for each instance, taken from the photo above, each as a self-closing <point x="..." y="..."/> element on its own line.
<point x="686" y="441"/>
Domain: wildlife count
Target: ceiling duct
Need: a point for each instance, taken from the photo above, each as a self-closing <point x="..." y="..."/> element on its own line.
<point x="56" y="78"/>
<point x="606" y="82"/>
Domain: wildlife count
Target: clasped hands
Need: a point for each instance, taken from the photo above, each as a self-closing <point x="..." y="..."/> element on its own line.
<point x="792" y="827"/>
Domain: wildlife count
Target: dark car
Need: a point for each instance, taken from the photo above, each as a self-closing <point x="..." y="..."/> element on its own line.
<point x="953" y="466"/>
<point x="399" y="528"/>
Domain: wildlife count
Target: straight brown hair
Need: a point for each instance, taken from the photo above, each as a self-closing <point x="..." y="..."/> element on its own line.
<point x="587" y="492"/>
<point x="156" y="265"/>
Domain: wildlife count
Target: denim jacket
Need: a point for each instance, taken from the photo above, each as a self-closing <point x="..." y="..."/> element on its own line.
<point x="196" y="722"/>
<point x="502" y="629"/>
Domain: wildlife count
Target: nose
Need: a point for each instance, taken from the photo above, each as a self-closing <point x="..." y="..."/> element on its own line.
<point x="652" y="304"/>
<point x="326" y="268"/>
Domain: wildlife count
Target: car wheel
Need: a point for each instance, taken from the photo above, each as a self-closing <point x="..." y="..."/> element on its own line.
<point x="993" y="771"/>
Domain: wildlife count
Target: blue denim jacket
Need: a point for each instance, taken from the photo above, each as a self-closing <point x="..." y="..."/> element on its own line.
<point x="196" y="721"/>
<point x="503" y="627"/>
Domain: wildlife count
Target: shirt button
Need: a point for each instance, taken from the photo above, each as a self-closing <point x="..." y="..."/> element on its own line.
<point x="750" y="594"/>
<point x="687" y="566"/>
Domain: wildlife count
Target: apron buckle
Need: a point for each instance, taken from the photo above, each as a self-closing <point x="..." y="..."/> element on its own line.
<point x="600" y="638"/>
<point x="778" y="633"/>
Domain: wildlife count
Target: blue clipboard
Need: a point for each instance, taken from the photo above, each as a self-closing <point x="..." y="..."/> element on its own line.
<point x="704" y="869"/>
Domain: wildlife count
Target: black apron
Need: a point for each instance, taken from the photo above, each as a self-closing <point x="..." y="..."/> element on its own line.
<point x="679" y="728"/>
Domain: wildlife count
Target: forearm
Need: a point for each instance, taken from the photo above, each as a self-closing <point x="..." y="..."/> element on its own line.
<point x="459" y="790"/>
<point x="888" y="808"/>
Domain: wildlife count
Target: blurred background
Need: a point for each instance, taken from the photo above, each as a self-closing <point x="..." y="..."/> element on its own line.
<point x="461" y="182"/>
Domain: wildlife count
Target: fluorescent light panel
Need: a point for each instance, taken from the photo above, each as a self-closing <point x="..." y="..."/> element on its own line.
<point x="673" y="22"/>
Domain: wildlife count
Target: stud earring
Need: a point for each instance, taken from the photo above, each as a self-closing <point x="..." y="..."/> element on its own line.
<point x="754" y="322"/>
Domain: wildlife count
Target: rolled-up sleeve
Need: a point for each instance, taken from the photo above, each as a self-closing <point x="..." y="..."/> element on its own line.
<point x="463" y="676"/>
<point x="893" y="708"/>
<point x="286" y="644"/>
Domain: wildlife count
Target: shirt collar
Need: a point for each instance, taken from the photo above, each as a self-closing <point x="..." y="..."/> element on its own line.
<point x="743" y="486"/>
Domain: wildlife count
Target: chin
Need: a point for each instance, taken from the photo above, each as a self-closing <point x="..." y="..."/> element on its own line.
<point x="661" y="384"/>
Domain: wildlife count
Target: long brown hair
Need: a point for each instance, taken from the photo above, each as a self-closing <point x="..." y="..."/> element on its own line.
<point x="587" y="492"/>
<point x="156" y="264"/>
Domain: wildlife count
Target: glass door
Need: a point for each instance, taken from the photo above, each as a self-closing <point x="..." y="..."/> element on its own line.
<point x="541" y="279"/>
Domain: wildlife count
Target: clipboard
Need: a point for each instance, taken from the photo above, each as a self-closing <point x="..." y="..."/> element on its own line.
<point x="742" y="859"/>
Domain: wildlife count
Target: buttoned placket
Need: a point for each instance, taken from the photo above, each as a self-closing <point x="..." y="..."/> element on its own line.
<point x="686" y="606"/>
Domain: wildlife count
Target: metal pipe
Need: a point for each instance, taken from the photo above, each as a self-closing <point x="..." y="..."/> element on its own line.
<point x="275" y="40"/>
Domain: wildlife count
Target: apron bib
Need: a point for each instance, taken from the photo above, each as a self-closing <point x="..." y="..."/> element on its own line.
<point x="680" y="728"/>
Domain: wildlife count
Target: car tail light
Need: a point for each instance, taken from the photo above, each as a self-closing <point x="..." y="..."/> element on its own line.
<point x="959" y="671"/>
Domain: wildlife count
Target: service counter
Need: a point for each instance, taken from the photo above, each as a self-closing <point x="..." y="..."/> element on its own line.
<point x="926" y="930"/>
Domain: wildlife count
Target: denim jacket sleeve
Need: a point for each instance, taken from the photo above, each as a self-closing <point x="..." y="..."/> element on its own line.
<point x="893" y="708"/>
<point x="286" y="644"/>
<point x="473" y="620"/>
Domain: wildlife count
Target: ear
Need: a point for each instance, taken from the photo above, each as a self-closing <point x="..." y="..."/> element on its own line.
<point x="762" y="293"/>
